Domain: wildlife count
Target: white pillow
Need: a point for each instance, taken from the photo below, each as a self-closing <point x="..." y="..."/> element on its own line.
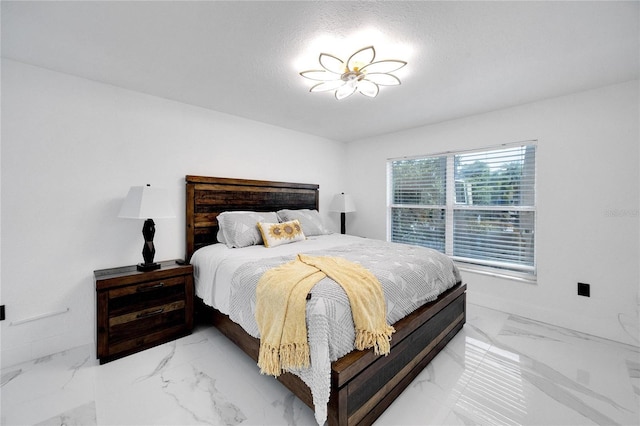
<point x="240" y="229"/>
<point x="220" y="236"/>
<point x="309" y="219"/>
<point x="275" y="234"/>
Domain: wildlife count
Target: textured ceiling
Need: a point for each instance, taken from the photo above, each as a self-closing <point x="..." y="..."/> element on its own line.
<point x="243" y="58"/>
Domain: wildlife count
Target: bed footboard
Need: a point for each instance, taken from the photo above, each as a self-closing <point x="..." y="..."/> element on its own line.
<point x="363" y="384"/>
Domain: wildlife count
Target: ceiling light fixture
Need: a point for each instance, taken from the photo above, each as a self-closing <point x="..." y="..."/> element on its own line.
<point x="359" y="73"/>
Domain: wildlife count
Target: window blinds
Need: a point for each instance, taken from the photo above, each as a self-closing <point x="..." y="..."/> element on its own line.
<point x="478" y="207"/>
<point x="419" y="202"/>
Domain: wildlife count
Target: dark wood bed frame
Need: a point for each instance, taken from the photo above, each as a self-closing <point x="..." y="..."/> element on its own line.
<point x="363" y="385"/>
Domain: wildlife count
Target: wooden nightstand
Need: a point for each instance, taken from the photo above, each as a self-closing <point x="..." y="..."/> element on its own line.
<point x="138" y="310"/>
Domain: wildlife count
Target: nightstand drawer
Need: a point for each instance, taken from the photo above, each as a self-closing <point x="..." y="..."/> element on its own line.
<point x="135" y="298"/>
<point x="145" y="341"/>
<point x="145" y="314"/>
<point x="147" y="287"/>
<point x="146" y="321"/>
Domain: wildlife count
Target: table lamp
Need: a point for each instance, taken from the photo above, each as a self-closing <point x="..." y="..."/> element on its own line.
<point x="146" y="202"/>
<point x="343" y="204"/>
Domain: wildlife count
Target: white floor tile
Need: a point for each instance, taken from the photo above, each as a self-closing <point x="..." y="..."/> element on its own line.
<point x="500" y="369"/>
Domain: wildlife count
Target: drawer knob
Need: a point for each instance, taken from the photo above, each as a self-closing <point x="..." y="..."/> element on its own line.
<point x="150" y="313"/>
<point x="142" y="289"/>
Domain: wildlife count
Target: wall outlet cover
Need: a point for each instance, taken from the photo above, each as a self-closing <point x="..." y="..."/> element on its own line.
<point x="584" y="289"/>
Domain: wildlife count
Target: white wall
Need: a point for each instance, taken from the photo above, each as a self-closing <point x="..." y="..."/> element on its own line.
<point x="587" y="190"/>
<point x="71" y="148"/>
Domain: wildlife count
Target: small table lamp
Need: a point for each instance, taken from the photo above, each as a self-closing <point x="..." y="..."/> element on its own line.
<point x="342" y="203"/>
<point x="145" y="202"/>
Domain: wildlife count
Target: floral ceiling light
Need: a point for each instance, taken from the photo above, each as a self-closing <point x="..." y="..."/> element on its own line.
<point x="359" y="73"/>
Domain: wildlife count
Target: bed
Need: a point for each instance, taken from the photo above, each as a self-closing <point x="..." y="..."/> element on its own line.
<point x="362" y="384"/>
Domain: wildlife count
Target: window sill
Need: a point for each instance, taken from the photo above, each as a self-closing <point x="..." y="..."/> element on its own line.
<point x="513" y="276"/>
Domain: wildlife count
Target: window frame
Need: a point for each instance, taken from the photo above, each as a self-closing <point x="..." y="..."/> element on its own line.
<point x="521" y="272"/>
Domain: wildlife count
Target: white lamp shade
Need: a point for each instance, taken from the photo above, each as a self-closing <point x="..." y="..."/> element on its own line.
<point x="146" y="202"/>
<point x="342" y="203"/>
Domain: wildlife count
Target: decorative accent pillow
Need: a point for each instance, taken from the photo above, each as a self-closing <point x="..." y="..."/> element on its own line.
<point x="309" y="219"/>
<point x="239" y="229"/>
<point x="275" y="234"/>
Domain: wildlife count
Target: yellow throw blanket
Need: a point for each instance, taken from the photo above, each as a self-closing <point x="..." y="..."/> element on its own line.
<point x="281" y="309"/>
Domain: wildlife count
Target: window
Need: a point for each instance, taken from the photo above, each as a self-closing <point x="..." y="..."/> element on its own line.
<point x="476" y="206"/>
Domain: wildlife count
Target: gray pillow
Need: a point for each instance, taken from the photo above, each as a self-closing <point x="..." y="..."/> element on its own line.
<point x="240" y="229"/>
<point x="309" y="219"/>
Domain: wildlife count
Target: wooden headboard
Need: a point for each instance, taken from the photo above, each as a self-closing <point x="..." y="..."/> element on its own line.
<point x="209" y="196"/>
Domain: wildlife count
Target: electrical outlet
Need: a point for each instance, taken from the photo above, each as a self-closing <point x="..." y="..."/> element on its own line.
<point x="584" y="289"/>
<point x="2" y="314"/>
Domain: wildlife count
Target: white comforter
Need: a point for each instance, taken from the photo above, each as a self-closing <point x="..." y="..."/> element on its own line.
<point x="410" y="276"/>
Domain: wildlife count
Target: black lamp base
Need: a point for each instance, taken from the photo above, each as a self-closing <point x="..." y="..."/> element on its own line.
<point x="146" y="267"/>
<point x="148" y="250"/>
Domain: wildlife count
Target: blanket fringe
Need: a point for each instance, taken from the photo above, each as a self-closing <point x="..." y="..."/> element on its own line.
<point x="294" y="355"/>
<point x="269" y="360"/>
<point x="273" y="360"/>
<point x="379" y="340"/>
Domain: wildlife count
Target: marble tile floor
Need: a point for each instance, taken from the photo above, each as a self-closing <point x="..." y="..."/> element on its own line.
<point x="500" y="369"/>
